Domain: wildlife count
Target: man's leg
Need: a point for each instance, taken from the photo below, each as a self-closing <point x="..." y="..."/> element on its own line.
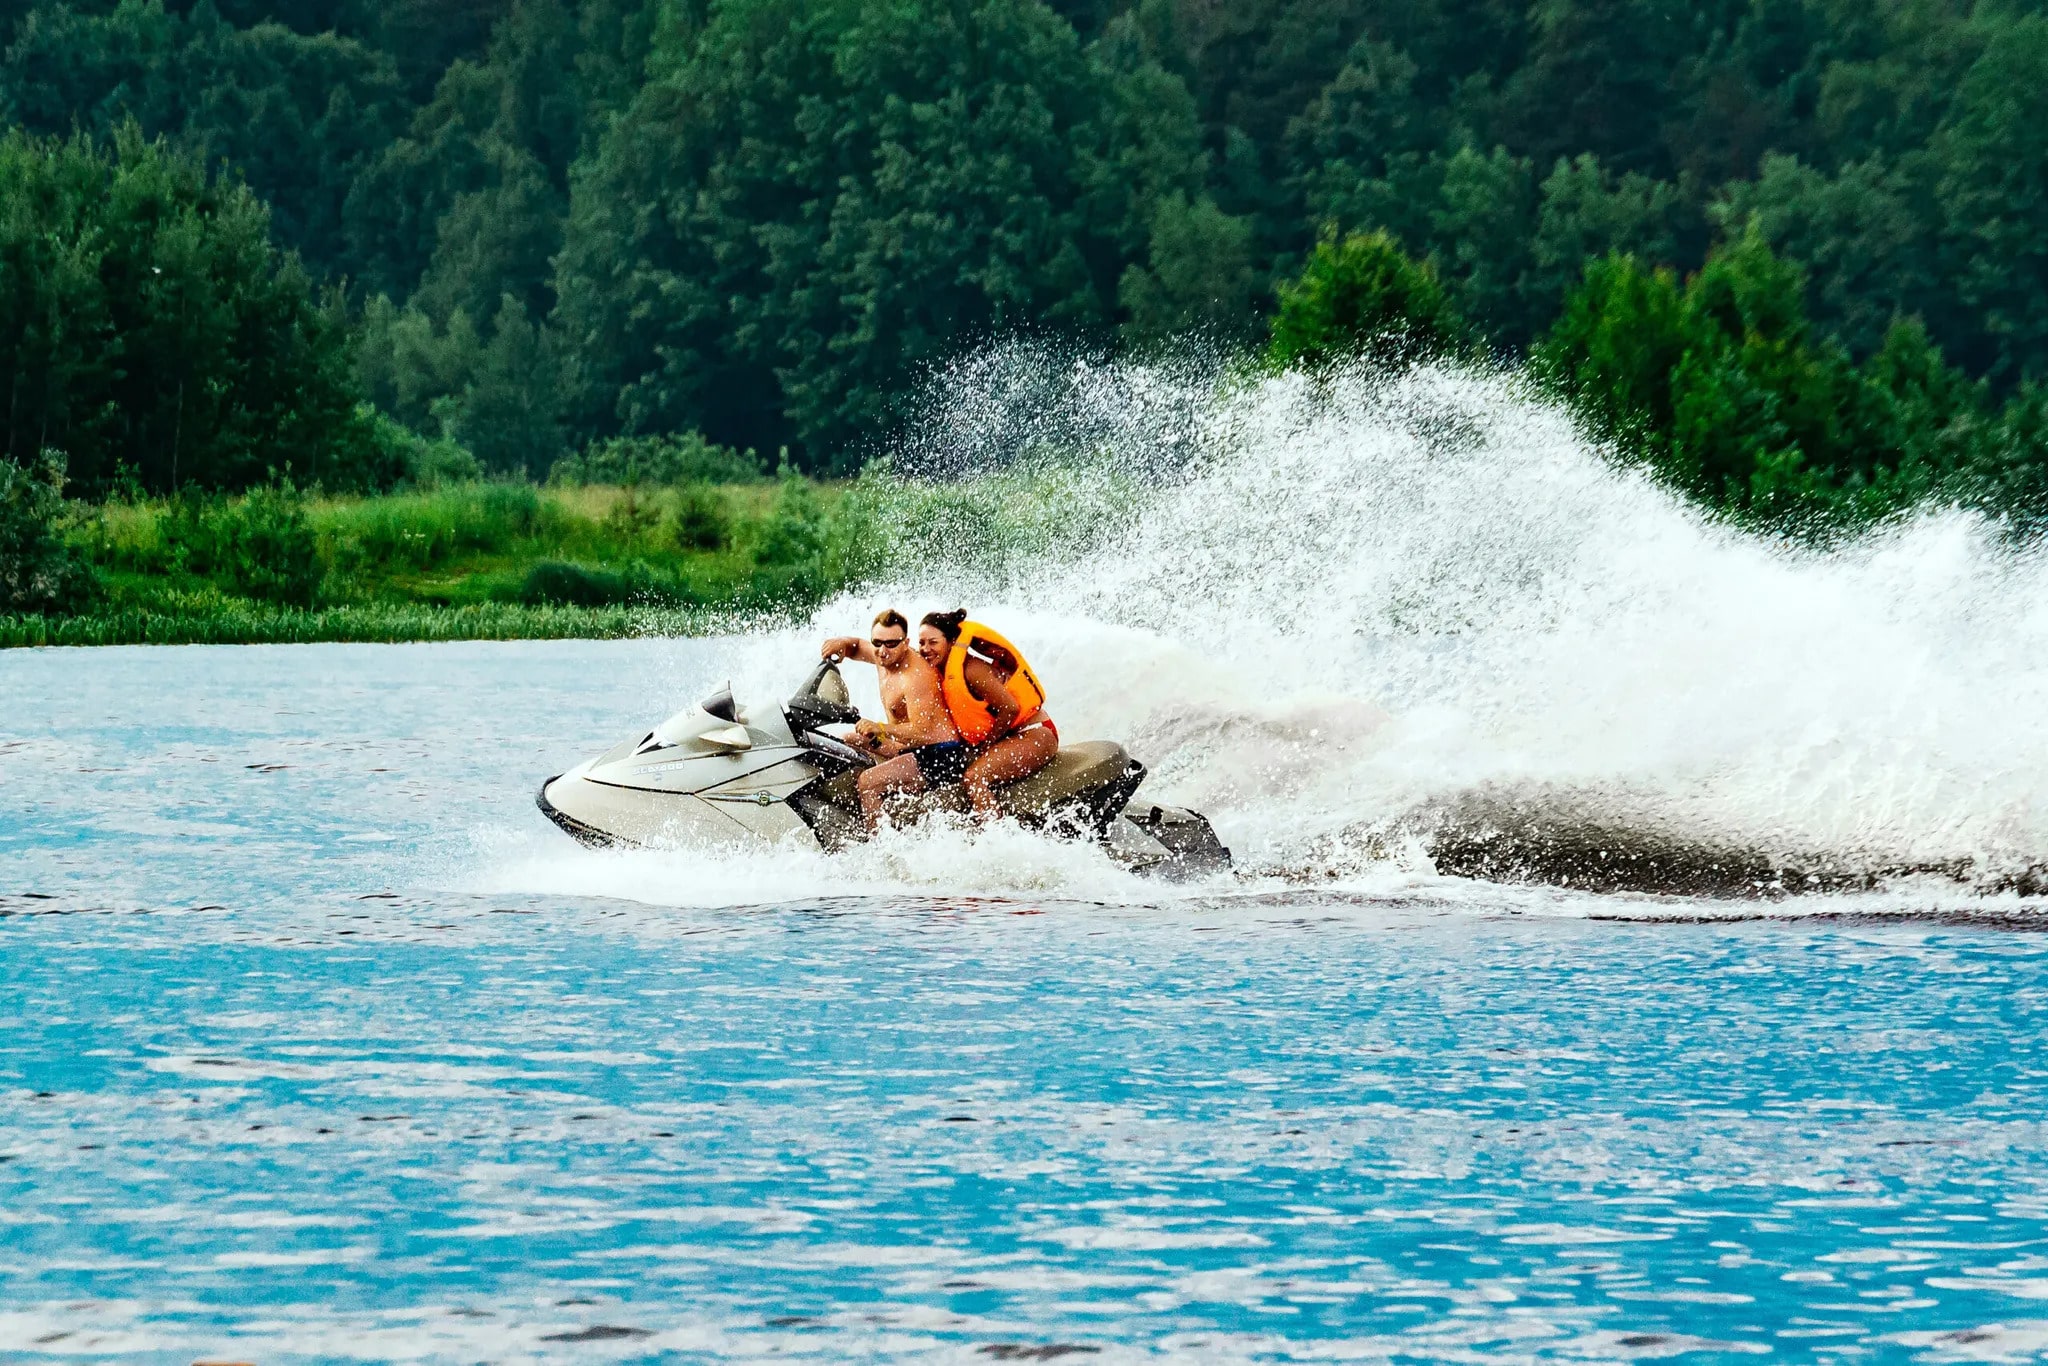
<point x="1005" y="761"/>
<point x="899" y="774"/>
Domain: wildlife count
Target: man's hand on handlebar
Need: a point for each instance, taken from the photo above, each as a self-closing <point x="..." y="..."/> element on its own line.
<point x="873" y="737"/>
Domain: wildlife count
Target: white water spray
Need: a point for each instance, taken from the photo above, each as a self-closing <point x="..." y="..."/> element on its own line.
<point x="1354" y="618"/>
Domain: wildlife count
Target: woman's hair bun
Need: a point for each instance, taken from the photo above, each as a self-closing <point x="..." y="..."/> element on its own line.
<point x="948" y="623"/>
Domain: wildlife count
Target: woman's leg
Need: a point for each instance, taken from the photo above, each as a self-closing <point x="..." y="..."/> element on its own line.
<point x="900" y="774"/>
<point x="1005" y="761"/>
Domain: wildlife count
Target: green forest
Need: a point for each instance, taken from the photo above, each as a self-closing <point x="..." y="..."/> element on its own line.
<point x="262" y="265"/>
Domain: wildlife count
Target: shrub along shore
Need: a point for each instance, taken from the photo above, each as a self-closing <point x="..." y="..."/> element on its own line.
<point x="470" y="560"/>
<point x="244" y="624"/>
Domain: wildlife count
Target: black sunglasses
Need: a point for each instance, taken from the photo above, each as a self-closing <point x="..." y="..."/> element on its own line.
<point x="887" y="644"/>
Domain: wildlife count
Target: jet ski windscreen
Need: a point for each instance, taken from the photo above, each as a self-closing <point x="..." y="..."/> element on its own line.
<point x="720" y="705"/>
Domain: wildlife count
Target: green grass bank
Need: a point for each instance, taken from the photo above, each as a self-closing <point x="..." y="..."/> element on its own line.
<point x="468" y="561"/>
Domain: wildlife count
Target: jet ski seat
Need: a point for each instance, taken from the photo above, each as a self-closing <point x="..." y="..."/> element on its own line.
<point x="1081" y="768"/>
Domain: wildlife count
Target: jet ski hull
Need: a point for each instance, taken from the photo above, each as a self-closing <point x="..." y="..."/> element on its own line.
<point x="587" y="835"/>
<point x="1163" y="841"/>
<point x="713" y="776"/>
<point x="607" y="814"/>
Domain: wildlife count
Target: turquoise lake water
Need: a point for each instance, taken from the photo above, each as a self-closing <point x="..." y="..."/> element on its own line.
<point x="321" y="1045"/>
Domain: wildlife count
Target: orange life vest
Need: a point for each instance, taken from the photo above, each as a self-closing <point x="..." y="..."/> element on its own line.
<point x="971" y="715"/>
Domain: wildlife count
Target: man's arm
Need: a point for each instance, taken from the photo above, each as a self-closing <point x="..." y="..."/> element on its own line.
<point x="848" y="647"/>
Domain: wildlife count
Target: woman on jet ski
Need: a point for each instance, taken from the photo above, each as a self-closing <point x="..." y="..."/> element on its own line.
<point x="995" y="701"/>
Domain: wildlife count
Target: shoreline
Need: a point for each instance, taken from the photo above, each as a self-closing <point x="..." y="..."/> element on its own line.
<point x="387" y="624"/>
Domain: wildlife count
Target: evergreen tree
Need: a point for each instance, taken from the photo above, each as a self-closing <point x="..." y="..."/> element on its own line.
<point x="827" y="199"/>
<point x="1363" y="146"/>
<point x="1482" y="228"/>
<point x="1869" y="237"/>
<point x="1993" y="154"/>
<point x="1199" y="279"/>
<point x="296" y="115"/>
<point x="1362" y="296"/>
<point x="1586" y="214"/>
<point x="510" y="411"/>
<point x="1598" y="79"/>
<point x="147" y="323"/>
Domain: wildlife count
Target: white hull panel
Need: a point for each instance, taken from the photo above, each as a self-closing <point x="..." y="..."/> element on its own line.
<point x="600" y="813"/>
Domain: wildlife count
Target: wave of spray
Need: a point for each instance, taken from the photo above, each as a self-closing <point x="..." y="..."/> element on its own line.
<point x="1419" y="620"/>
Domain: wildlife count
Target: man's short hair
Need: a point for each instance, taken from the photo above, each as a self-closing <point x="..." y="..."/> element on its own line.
<point x="889" y="616"/>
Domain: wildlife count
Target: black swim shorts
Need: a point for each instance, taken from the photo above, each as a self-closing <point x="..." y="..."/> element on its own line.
<point x="943" y="763"/>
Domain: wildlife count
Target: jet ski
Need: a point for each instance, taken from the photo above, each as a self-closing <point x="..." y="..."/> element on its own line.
<point x="720" y="773"/>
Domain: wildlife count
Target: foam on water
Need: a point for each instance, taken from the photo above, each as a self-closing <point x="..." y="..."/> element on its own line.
<point x="941" y="859"/>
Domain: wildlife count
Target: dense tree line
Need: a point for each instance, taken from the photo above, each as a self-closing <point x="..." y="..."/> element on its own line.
<point x="152" y="334"/>
<point x="560" y="220"/>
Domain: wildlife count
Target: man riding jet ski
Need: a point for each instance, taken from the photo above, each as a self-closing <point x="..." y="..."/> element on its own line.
<point x="964" y="707"/>
<point x="807" y="769"/>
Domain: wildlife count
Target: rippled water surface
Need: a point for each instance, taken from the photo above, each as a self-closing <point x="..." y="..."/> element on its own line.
<point x="320" y="1044"/>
